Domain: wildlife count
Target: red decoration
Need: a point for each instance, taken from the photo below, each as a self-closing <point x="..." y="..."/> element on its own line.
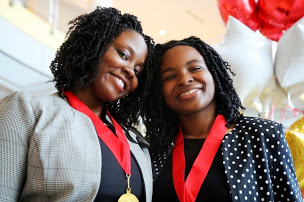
<point x="271" y="17"/>
<point x="243" y="10"/>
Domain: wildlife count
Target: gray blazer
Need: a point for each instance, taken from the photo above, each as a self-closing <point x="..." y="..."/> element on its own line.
<point x="50" y="152"/>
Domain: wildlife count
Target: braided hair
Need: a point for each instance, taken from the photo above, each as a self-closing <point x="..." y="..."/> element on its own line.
<point x="77" y="61"/>
<point x="163" y="122"/>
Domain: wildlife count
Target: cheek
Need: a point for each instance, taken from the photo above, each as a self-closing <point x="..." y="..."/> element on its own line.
<point x="166" y="90"/>
<point x="134" y="84"/>
<point x="110" y="59"/>
<point x="211" y="82"/>
<point x="211" y="86"/>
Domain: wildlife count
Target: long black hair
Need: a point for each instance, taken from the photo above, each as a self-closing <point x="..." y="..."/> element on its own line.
<point x="77" y="61"/>
<point x="163" y="122"/>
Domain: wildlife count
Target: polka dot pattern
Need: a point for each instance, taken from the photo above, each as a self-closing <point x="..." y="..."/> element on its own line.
<point x="257" y="161"/>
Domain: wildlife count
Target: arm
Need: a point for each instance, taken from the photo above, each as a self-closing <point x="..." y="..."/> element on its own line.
<point x="284" y="179"/>
<point x="16" y="126"/>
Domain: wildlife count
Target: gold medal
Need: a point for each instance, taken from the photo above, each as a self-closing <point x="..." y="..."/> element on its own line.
<point x="128" y="197"/>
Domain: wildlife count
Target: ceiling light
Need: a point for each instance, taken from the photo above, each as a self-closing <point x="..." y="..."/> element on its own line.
<point x="162" y="32"/>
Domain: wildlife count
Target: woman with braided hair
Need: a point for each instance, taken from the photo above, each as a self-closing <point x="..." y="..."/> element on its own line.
<point x="79" y="144"/>
<point x="202" y="147"/>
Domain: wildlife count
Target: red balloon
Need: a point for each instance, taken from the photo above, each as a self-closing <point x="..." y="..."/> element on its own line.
<point x="275" y="16"/>
<point x="271" y="17"/>
<point x="243" y="10"/>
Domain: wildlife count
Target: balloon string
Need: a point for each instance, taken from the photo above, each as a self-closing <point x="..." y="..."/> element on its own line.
<point x="295" y="112"/>
<point x="270" y="116"/>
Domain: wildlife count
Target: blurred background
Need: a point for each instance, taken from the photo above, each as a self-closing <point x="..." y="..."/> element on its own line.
<point x="32" y="30"/>
<point x="263" y="40"/>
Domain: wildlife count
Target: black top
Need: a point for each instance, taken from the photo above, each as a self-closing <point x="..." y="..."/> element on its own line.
<point x="215" y="186"/>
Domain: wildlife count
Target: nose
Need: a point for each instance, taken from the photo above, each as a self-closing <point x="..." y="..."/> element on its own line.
<point x="185" y="79"/>
<point x="129" y="71"/>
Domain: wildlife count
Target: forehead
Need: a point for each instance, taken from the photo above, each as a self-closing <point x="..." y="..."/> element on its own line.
<point x="131" y="37"/>
<point x="180" y="55"/>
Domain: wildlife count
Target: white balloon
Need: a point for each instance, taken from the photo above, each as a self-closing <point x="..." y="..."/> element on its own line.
<point x="250" y="55"/>
<point x="289" y="64"/>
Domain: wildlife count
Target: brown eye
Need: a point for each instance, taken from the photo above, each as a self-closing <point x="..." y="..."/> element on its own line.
<point x="169" y="77"/>
<point x="136" y="72"/>
<point x="122" y="55"/>
<point x="194" y="69"/>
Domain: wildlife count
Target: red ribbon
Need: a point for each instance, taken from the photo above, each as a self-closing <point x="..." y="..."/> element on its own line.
<point x="188" y="191"/>
<point x="117" y="144"/>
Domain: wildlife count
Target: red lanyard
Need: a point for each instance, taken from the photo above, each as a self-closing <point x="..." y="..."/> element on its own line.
<point x="117" y="144"/>
<point x="188" y="191"/>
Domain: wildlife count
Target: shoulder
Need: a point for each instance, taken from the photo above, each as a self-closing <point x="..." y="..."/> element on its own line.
<point x="260" y="126"/>
<point x="25" y="100"/>
<point x="24" y="110"/>
<point x="257" y="122"/>
<point x="257" y="133"/>
<point x="16" y="98"/>
<point x="18" y="105"/>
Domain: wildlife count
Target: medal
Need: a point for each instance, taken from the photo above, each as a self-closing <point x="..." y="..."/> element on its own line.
<point x="128" y="197"/>
<point x="117" y="144"/>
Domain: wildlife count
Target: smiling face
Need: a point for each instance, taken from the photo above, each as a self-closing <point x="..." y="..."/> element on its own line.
<point x="120" y="66"/>
<point x="187" y="84"/>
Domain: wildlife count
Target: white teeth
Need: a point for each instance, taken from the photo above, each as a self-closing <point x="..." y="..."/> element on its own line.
<point x="119" y="82"/>
<point x="189" y="92"/>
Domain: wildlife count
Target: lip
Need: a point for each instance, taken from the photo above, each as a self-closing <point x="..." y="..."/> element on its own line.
<point x="188" y="93"/>
<point x="123" y="80"/>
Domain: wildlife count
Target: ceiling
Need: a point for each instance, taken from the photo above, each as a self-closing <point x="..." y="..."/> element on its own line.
<point x="180" y="18"/>
<point x="177" y="18"/>
<point x="27" y="46"/>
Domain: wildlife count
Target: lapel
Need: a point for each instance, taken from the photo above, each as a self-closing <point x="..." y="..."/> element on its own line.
<point x="143" y="159"/>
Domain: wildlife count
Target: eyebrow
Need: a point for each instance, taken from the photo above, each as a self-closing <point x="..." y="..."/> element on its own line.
<point x="187" y="63"/>
<point x="130" y="48"/>
<point x="193" y="61"/>
<point x="126" y="46"/>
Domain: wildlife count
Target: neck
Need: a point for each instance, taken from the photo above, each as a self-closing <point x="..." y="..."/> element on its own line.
<point x="197" y="126"/>
<point x="90" y="100"/>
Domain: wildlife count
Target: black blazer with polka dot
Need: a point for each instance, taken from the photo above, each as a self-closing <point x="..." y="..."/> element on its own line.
<point x="257" y="161"/>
